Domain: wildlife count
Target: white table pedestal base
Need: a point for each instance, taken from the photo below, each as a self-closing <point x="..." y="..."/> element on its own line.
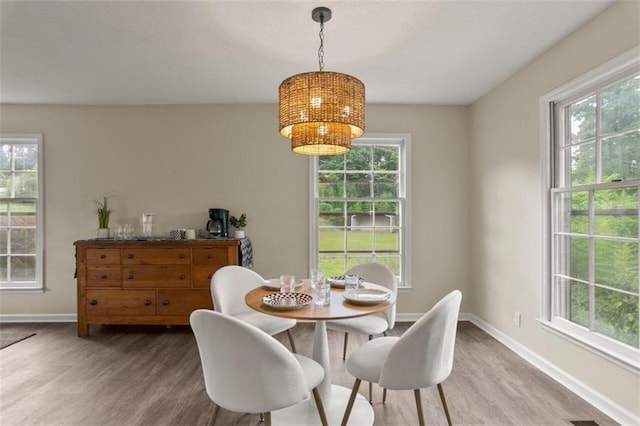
<point x="306" y="412"/>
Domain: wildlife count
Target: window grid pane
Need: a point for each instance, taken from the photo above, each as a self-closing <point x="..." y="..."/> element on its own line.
<point x="359" y="208"/>
<point x="20" y="264"/>
<point x="595" y="235"/>
<point x="595" y="250"/>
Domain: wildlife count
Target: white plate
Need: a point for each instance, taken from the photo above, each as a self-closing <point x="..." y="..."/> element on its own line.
<point x="367" y="296"/>
<point x="287" y="301"/>
<point x="274" y="283"/>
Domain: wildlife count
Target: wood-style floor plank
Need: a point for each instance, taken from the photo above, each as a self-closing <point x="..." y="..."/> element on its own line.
<point x="149" y="375"/>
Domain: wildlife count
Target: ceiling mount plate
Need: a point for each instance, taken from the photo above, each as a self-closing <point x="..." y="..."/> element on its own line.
<point x="321" y="14"/>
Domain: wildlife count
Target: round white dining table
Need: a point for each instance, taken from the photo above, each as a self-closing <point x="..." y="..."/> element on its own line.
<point x="334" y="397"/>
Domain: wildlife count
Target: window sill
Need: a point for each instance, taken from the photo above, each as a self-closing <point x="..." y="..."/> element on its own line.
<point x="405" y="289"/>
<point x="14" y="290"/>
<point x="629" y="363"/>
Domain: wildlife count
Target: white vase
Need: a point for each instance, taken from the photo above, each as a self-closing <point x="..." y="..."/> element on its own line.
<point x="103" y="233"/>
<point x="239" y="233"/>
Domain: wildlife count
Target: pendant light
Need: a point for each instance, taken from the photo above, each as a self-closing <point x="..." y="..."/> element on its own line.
<point x="322" y="111"/>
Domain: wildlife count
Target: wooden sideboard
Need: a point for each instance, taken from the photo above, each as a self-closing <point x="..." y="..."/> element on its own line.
<point x="146" y="282"/>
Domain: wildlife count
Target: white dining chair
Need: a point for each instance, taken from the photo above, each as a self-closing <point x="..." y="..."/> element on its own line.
<point x="248" y="371"/>
<point x="420" y="358"/>
<point x="379" y="323"/>
<point x="371" y="325"/>
<point x="229" y="285"/>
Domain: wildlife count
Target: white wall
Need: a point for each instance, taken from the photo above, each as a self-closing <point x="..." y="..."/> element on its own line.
<point x="505" y="187"/>
<point x="178" y="161"/>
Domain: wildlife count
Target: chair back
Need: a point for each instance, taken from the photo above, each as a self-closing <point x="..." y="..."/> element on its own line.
<point x="423" y="356"/>
<point x="229" y="284"/>
<point x="244" y="368"/>
<point x="377" y="273"/>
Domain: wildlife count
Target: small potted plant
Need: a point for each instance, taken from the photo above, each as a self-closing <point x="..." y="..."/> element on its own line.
<point x="104" y="211"/>
<point x="239" y="223"/>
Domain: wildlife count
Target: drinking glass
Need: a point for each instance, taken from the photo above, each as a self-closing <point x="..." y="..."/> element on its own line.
<point x="351" y="283"/>
<point x="287" y="283"/>
<point x="315" y="277"/>
<point x="127" y="231"/>
<point x="146" y="223"/>
<point x="119" y="234"/>
<point x="322" y="293"/>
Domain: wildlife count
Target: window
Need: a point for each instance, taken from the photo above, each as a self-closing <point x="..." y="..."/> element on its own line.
<point x="21" y="231"/>
<point x="360" y="207"/>
<point x="594" y="194"/>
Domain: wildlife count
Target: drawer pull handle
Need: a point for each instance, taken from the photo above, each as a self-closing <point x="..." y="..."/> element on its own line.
<point x="104" y="277"/>
<point x="103" y="256"/>
<point x="147" y="302"/>
<point x="93" y="302"/>
<point x="182" y="277"/>
<point x="130" y="277"/>
<point x="182" y="256"/>
<point x="209" y="256"/>
<point x="165" y="302"/>
<point x="130" y="256"/>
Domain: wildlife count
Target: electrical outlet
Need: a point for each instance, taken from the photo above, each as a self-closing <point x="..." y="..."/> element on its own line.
<point x="517" y="319"/>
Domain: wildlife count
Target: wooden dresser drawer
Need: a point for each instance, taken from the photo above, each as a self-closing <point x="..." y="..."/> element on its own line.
<point x="121" y="302"/>
<point x="202" y="275"/>
<point x="156" y="276"/>
<point x="98" y="256"/>
<point x="159" y="256"/>
<point x="104" y="276"/>
<point x="211" y="256"/>
<point x="183" y="302"/>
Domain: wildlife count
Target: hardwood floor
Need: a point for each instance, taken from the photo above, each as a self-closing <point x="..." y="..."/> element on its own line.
<point x="134" y="375"/>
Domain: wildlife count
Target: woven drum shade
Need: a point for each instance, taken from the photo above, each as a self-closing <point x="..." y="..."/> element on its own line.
<point x="321" y="112"/>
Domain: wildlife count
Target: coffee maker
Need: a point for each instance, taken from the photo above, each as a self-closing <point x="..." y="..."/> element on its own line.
<point x="218" y="224"/>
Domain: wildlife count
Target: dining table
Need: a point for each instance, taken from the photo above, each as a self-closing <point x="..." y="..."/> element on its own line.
<point x="334" y="397"/>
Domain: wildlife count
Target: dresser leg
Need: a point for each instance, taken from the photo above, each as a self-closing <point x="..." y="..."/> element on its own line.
<point x="83" y="330"/>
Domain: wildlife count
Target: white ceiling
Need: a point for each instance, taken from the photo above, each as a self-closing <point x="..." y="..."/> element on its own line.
<point x="191" y="52"/>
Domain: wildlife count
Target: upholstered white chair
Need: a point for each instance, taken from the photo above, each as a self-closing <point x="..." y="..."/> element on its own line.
<point x="229" y="285"/>
<point x="246" y="370"/>
<point x="371" y="324"/>
<point x="379" y="323"/>
<point x="420" y="358"/>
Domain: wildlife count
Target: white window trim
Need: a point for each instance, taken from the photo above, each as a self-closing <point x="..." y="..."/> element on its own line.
<point x="619" y="353"/>
<point x="405" y="164"/>
<point x="37" y="139"/>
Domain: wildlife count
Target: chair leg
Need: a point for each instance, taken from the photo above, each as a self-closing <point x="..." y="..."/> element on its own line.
<point x="344" y="346"/>
<point x="216" y="410"/>
<point x="267" y="419"/>
<point x="384" y="395"/>
<point x="419" y="406"/>
<point x="320" y="406"/>
<point x="293" y="344"/>
<point x="444" y="404"/>
<point x="370" y="384"/>
<point x="352" y="398"/>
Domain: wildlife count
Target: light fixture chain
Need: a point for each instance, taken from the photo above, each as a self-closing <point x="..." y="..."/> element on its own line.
<point x="321" y="49"/>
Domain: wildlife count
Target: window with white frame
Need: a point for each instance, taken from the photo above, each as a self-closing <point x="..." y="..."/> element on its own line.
<point x="21" y="230"/>
<point x="360" y="207"/>
<point x="594" y="195"/>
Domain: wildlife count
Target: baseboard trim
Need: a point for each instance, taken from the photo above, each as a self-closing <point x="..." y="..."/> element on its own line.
<point x="6" y="318"/>
<point x="599" y="401"/>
